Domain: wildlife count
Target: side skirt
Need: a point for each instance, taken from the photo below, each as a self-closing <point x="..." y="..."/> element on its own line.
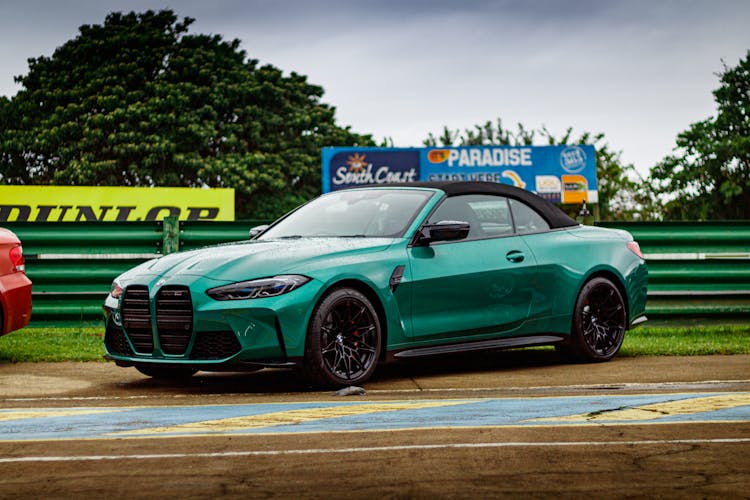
<point x="482" y="345"/>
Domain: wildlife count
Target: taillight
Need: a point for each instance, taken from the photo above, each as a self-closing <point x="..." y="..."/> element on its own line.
<point x="634" y="247"/>
<point x="16" y="258"/>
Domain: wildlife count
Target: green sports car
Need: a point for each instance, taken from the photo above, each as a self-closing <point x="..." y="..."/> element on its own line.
<point x="362" y="276"/>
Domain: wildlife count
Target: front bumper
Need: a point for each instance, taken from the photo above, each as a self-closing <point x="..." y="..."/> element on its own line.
<point x="222" y="334"/>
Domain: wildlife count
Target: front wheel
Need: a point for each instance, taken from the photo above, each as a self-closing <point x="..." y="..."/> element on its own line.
<point x="599" y="322"/>
<point x="343" y="340"/>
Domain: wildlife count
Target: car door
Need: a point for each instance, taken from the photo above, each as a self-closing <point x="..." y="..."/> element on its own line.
<point x="481" y="285"/>
<point x="555" y="286"/>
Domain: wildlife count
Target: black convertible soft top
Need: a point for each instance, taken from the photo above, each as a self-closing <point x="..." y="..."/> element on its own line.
<point x="554" y="216"/>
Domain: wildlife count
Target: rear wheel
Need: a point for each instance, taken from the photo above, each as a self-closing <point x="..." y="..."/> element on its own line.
<point x="343" y="340"/>
<point x="170" y="373"/>
<point x="599" y="323"/>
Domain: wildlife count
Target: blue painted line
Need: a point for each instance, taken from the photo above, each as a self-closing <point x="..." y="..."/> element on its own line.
<point x="503" y="412"/>
<point x="117" y="420"/>
<point x="107" y="423"/>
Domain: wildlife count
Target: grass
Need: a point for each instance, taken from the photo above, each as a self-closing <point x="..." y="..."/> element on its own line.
<point x="687" y="341"/>
<point x="53" y="344"/>
<point x="85" y="343"/>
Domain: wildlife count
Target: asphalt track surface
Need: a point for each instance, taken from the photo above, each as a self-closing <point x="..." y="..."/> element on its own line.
<point x="509" y="424"/>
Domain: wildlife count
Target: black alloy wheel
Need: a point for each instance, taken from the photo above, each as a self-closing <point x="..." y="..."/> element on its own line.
<point x="599" y="322"/>
<point x="343" y="340"/>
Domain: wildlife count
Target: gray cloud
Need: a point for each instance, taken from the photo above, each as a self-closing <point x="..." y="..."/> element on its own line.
<point x="639" y="71"/>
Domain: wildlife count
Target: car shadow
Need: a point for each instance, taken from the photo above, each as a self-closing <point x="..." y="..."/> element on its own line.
<point x="468" y="363"/>
<point x="284" y="381"/>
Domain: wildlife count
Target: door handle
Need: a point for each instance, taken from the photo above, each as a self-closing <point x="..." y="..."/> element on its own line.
<point x="515" y="256"/>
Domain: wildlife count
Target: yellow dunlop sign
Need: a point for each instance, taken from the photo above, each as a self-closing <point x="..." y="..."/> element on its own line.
<point x="94" y="203"/>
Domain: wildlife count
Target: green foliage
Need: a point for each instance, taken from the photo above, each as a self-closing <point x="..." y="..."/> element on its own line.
<point x="138" y="101"/>
<point x="708" y="176"/>
<point x="480" y="135"/>
<point x="622" y="193"/>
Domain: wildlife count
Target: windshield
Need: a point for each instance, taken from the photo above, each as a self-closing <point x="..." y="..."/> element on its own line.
<point x="360" y="212"/>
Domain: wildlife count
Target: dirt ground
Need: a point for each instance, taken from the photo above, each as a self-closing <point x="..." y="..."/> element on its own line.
<point x="506" y="372"/>
<point x="701" y="459"/>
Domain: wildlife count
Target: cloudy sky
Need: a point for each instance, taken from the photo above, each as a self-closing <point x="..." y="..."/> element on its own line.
<point x="639" y="71"/>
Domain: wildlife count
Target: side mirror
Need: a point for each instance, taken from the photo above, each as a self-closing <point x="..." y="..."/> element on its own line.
<point x="445" y="230"/>
<point x="258" y="230"/>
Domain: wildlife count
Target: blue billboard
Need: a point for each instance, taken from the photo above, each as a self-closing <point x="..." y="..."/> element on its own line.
<point x="564" y="174"/>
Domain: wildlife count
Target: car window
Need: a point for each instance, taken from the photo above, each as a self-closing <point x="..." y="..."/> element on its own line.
<point x="376" y="212"/>
<point x="526" y="219"/>
<point x="487" y="215"/>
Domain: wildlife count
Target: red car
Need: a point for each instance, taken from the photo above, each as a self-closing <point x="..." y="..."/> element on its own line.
<point x="15" y="287"/>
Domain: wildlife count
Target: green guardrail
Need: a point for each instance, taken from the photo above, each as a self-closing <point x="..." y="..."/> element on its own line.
<point x="72" y="264"/>
<point x="696" y="269"/>
<point x="197" y="234"/>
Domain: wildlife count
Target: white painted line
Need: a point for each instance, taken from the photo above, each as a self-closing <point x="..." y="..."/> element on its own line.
<point x="697" y="256"/>
<point x="94" y="256"/>
<point x="323" y="451"/>
<point x="117" y="398"/>
<point x="617" y="386"/>
<point x="598" y="387"/>
<point x="696" y="293"/>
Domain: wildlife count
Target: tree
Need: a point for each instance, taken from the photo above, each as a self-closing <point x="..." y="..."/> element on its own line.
<point x="486" y="134"/>
<point x="138" y="101"/>
<point x="708" y="175"/>
<point x="622" y="193"/>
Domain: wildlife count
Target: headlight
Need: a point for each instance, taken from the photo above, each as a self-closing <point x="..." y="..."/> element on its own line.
<point x="116" y="290"/>
<point x="258" y="289"/>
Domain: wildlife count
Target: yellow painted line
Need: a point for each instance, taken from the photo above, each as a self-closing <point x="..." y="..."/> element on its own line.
<point x="287" y="417"/>
<point x="659" y="410"/>
<point x="7" y="415"/>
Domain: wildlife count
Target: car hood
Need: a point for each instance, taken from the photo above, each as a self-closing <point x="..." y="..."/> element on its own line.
<point x="256" y="259"/>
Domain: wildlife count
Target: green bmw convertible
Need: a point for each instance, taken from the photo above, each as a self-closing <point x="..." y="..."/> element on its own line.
<point x="363" y="276"/>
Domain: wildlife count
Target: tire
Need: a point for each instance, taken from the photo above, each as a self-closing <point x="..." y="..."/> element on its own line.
<point x="599" y="322"/>
<point x="166" y="373"/>
<point x="343" y="340"/>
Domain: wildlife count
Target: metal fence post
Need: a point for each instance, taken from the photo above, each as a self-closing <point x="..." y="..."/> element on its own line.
<point x="170" y="235"/>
